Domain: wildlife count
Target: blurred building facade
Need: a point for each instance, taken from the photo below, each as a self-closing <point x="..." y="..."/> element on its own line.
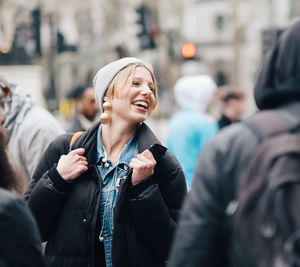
<point x="232" y="37"/>
<point x="70" y="39"/>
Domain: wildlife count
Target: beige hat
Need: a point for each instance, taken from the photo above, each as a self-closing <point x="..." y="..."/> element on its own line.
<point x="106" y="74"/>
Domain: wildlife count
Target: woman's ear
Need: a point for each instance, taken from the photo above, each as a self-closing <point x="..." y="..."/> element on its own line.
<point x="106" y="98"/>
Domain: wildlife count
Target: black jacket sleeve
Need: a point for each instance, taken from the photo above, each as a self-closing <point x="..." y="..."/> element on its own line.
<point x="3" y="263"/>
<point x="46" y="194"/>
<point x="20" y="239"/>
<point x="154" y="210"/>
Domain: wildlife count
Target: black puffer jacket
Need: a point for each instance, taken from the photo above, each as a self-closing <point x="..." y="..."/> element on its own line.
<point x="203" y="238"/>
<point x="20" y="243"/>
<point x="145" y="215"/>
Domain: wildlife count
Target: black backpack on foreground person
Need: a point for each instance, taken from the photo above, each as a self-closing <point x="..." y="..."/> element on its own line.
<point x="257" y="163"/>
<point x="266" y="219"/>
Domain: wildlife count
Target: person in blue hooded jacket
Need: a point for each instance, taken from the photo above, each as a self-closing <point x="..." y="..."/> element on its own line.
<point x="191" y="127"/>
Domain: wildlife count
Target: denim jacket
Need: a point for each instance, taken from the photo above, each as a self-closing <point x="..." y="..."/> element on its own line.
<point x="111" y="175"/>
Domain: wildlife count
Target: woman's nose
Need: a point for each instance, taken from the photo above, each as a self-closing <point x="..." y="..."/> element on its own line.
<point x="146" y="90"/>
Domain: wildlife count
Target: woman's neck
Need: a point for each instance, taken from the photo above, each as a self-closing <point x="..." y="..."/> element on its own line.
<point x="114" y="138"/>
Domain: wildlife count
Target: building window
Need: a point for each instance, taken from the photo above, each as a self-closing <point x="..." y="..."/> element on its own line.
<point x="294" y="8"/>
<point x="221" y="78"/>
<point x="220" y="23"/>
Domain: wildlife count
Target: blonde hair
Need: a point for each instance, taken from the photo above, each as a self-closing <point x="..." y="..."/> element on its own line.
<point x="124" y="79"/>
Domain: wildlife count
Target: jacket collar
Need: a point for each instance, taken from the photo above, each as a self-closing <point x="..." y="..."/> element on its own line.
<point x="88" y="140"/>
<point x="146" y="138"/>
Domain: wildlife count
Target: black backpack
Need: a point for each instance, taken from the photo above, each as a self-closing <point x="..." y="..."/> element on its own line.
<point x="266" y="218"/>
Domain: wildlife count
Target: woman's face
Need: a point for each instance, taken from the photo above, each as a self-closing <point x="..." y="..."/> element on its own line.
<point x="137" y="104"/>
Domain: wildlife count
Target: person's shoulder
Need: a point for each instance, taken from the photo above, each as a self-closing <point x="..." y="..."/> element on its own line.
<point x="6" y="197"/>
<point x="39" y="111"/>
<point x="41" y="119"/>
<point x="62" y="141"/>
<point x="9" y="202"/>
<point x="171" y="159"/>
<point x="233" y="130"/>
<point x="209" y="123"/>
<point x="236" y="135"/>
<point x="169" y="172"/>
<point x="186" y="118"/>
<point x="170" y="163"/>
<point x="15" y="214"/>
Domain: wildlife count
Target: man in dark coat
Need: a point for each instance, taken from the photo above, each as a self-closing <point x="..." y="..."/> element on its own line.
<point x="233" y="106"/>
<point x="202" y="238"/>
<point x="86" y="108"/>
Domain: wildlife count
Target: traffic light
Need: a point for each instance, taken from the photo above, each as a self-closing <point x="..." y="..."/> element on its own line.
<point x="148" y="29"/>
<point x="60" y="42"/>
<point x="36" y="25"/>
<point x="188" y="51"/>
<point x="141" y="10"/>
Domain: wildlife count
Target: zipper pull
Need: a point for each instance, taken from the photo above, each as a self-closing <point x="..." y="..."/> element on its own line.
<point x="101" y="238"/>
<point x="120" y="180"/>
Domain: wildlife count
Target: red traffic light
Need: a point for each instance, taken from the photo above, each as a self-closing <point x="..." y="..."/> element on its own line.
<point x="188" y="50"/>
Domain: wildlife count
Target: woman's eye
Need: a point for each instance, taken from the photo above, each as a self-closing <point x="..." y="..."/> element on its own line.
<point x="135" y="83"/>
<point x="151" y="87"/>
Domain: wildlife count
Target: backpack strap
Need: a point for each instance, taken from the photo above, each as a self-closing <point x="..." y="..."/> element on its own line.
<point x="272" y="122"/>
<point x="74" y="138"/>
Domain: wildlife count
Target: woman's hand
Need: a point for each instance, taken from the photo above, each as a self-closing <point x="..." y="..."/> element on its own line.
<point x="72" y="165"/>
<point x="142" y="166"/>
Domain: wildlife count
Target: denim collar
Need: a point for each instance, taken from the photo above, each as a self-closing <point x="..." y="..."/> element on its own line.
<point x="128" y="152"/>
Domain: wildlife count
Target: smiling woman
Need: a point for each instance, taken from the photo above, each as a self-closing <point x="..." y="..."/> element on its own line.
<point x="132" y="93"/>
<point x="114" y="199"/>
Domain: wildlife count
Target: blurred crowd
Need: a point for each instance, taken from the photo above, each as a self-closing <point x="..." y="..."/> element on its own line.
<point x="102" y="190"/>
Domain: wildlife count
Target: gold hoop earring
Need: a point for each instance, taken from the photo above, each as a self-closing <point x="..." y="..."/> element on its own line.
<point x="105" y="117"/>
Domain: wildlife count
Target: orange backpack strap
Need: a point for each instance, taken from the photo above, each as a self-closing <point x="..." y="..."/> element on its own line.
<point x="74" y="137"/>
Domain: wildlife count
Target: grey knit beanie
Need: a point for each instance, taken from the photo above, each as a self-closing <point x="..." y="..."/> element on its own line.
<point x="106" y="74"/>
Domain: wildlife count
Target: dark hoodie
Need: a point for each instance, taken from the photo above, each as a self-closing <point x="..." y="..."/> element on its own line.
<point x="279" y="78"/>
<point x="203" y="237"/>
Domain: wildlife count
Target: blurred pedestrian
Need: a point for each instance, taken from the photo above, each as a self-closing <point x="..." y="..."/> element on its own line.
<point x="31" y="128"/>
<point x="86" y="108"/>
<point x="203" y="237"/>
<point x="191" y="127"/>
<point x="232" y="105"/>
<point x="5" y="100"/>
<point x="114" y="199"/>
<point x="20" y="239"/>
